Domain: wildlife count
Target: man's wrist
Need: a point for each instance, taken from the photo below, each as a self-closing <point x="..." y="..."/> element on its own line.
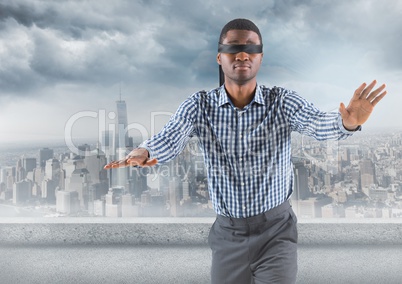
<point x="144" y="145"/>
<point x="347" y="128"/>
<point x="140" y="151"/>
<point x="351" y="128"/>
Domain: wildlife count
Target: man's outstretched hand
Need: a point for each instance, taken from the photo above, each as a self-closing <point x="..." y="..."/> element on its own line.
<point x="137" y="157"/>
<point x="361" y="105"/>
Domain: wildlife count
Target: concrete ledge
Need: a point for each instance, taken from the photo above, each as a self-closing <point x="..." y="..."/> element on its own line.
<point x="180" y="231"/>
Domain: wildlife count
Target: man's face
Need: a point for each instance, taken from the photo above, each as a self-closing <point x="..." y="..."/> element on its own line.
<point x="241" y="67"/>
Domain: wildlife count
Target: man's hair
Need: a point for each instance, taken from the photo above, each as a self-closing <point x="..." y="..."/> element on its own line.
<point x="239" y="24"/>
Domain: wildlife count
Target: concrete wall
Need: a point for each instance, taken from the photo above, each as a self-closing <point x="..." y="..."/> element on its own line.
<point x="181" y="231"/>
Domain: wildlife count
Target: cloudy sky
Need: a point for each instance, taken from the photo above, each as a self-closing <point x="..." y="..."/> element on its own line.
<point x="62" y="62"/>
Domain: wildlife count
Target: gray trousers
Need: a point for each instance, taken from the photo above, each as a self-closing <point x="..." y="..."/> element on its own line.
<point x="259" y="249"/>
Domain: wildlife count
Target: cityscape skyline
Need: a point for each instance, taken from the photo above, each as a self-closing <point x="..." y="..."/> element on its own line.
<point x="355" y="178"/>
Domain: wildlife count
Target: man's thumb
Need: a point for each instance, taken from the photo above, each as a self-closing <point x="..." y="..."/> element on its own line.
<point x="342" y="110"/>
<point x="150" y="163"/>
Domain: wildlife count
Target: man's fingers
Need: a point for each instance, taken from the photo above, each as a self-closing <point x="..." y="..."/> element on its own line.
<point x="378" y="98"/>
<point x="368" y="89"/>
<point x="116" y="164"/>
<point x="375" y="93"/>
<point x="359" y="91"/>
<point x="110" y="165"/>
<point x="120" y="164"/>
<point x="134" y="161"/>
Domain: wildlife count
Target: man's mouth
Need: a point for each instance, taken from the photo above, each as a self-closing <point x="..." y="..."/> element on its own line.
<point x="242" y="66"/>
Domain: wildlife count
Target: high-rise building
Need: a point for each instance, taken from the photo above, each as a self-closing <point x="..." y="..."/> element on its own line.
<point x="107" y="143"/>
<point x="52" y="169"/>
<point x="99" y="207"/>
<point x="28" y="164"/>
<point x="121" y="138"/>
<point x="94" y="163"/>
<point x="345" y="156"/>
<point x="22" y="191"/>
<point x="367" y="173"/>
<point x="36" y="190"/>
<point x="311" y="207"/>
<point x="10" y="182"/>
<point x="173" y="197"/>
<point x="79" y="181"/>
<point x="44" y="155"/>
<point x="48" y="190"/>
<point x="38" y="175"/>
<point x="20" y="172"/>
<point x="3" y="175"/>
<point x="301" y="189"/>
<point x="186" y="190"/>
<point x="137" y="182"/>
<point x="128" y="206"/>
<point x="120" y="176"/>
<point x="67" y="202"/>
<point x="113" y="202"/>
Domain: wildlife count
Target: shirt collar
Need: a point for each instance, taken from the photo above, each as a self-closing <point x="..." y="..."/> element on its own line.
<point x="224" y="99"/>
<point x="259" y="98"/>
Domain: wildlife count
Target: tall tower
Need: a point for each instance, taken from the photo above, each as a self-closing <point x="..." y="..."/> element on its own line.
<point x="120" y="176"/>
<point x="121" y="125"/>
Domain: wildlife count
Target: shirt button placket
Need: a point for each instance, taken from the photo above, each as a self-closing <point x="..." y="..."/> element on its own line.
<point x="240" y="130"/>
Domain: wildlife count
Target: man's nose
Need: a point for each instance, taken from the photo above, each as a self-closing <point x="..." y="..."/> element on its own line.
<point x="242" y="56"/>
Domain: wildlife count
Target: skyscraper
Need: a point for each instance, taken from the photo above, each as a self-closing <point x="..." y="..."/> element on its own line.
<point x="107" y="143"/>
<point x="52" y="169"/>
<point x="44" y="155"/>
<point x="28" y="164"/>
<point x="121" y="125"/>
<point x="173" y="198"/>
<point x="301" y="189"/>
<point x="120" y="176"/>
<point x="367" y="173"/>
<point x="21" y="191"/>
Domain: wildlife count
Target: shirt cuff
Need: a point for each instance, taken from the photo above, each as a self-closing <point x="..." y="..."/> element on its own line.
<point x="144" y="146"/>
<point x="343" y="129"/>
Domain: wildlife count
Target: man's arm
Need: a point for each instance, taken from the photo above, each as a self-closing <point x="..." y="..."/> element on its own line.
<point x="306" y="119"/>
<point x="361" y="105"/>
<point x="168" y="143"/>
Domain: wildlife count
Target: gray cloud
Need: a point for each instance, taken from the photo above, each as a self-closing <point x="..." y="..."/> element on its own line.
<point x="162" y="50"/>
<point x="107" y="44"/>
<point x="174" y="42"/>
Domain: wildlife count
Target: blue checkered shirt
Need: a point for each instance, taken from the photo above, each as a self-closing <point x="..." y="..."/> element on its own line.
<point x="247" y="152"/>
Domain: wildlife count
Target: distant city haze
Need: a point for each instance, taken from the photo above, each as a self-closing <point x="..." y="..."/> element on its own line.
<point x="360" y="177"/>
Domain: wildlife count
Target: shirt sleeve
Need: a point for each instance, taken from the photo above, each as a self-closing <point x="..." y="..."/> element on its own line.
<point x="306" y="119"/>
<point x="174" y="136"/>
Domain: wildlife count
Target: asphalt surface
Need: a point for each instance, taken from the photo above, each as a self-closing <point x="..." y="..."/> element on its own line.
<point x="186" y="264"/>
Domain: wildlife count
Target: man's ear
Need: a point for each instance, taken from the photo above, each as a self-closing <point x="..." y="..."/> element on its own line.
<point x="262" y="56"/>
<point x="218" y="58"/>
